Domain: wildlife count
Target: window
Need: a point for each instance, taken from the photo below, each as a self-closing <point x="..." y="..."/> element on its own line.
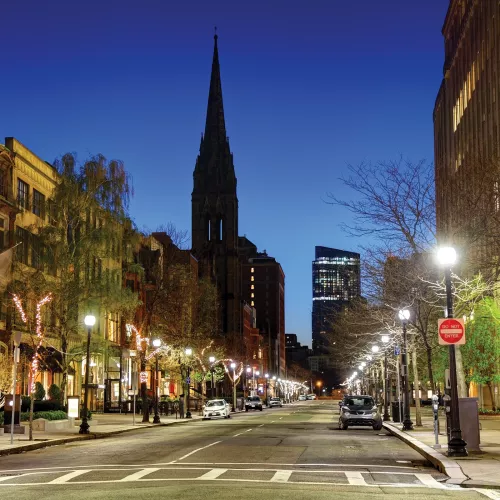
<point x="252" y="270"/>
<point x="252" y="279"/>
<point x="113" y="330"/>
<point x="252" y="295"/>
<point x="38" y="204"/>
<point x="22" y="249"/>
<point x="3" y="183"/>
<point x="36" y="252"/>
<point x="252" y="303"/>
<point x="22" y="194"/>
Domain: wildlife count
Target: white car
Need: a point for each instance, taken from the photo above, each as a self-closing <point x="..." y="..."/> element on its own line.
<point x="275" y="402"/>
<point x="311" y="396"/>
<point x="216" y="408"/>
<point x="302" y="397"/>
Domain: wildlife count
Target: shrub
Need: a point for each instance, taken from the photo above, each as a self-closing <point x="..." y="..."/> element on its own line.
<point x="39" y="391"/>
<point x="47" y="415"/>
<point x="486" y="411"/>
<point x="55" y="393"/>
<point x="47" y="406"/>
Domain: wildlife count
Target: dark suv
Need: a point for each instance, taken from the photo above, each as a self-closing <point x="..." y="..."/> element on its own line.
<point x="253" y="403"/>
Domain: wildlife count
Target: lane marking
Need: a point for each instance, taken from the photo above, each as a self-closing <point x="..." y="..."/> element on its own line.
<point x="428" y="480"/>
<point x="355" y="478"/>
<point x="6" y="478"/>
<point x="236" y="435"/>
<point x="68" y="476"/>
<point x="261" y="425"/>
<point x="299" y="465"/>
<point x="195" y="451"/>
<point x="139" y="474"/>
<point x="281" y="476"/>
<point x="212" y="474"/>
<point x="488" y="493"/>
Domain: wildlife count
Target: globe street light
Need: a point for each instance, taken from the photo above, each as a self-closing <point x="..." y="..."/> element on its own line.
<point x="212" y="361"/>
<point x="188" y="352"/>
<point x="233" y="366"/>
<point x="248" y="370"/>
<point x="255" y="385"/>
<point x="404" y="316"/>
<point x="84" y="426"/>
<point x="447" y="256"/>
<point x="266" y="376"/>
<point x="156" y="418"/>
<point x="385" y="340"/>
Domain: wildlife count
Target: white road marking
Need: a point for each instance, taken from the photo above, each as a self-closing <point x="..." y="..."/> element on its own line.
<point x="355" y="477"/>
<point x="195" y="451"/>
<point x="139" y="474"/>
<point x="299" y="465"/>
<point x="428" y="480"/>
<point x="212" y="474"/>
<point x="494" y="494"/>
<point x="68" y="476"/>
<point x="281" y="476"/>
<point x="261" y="425"/>
<point x="6" y="478"/>
<point x="236" y="435"/>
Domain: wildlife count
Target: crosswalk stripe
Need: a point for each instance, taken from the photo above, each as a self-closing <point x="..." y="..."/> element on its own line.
<point x="139" y="474"/>
<point x="68" y="476"/>
<point x="355" y="477"/>
<point x="428" y="480"/>
<point x="212" y="474"/>
<point x="281" y="476"/>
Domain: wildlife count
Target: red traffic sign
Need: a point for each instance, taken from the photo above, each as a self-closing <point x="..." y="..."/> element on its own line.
<point x="451" y="331"/>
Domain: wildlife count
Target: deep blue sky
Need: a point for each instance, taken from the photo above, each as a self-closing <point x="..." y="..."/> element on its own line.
<point x="308" y="86"/>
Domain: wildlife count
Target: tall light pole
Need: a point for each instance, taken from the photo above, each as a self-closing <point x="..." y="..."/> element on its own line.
<point x="84" y="426"/>
<point x="385" y="340"/>
<point x="233" y="366"/>
<point x="212" y="361"/>
<point x="156" y="418"/>
<point x="404" y="316"/>
<point x="188" y="352"/>
<point x="447" y="256"/>
<point x="266" y="376"/>
<point x="274" y="387"/>
<point x="255" y="386"/>
<point x="375" y="350"/>
<point x="248" y="370"/>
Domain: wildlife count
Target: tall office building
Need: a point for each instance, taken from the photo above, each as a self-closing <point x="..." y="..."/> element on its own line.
<point x="336" y="280"/>
<point x="466" y="129"/>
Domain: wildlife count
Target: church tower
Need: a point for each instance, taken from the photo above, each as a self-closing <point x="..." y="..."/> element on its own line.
<point x="215" y="208"/>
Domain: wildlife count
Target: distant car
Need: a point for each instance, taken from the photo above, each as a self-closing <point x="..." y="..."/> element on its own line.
<point x="216" y="408"/>
<point x="359" y="410"/>
<point x="253" y="403"/>
<point x="311" y="396"/>
<point x="275" y="402"/>
<point x="302" y="397"/>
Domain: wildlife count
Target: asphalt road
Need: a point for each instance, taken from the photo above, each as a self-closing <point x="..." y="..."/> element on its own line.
<point x="294" y="452"/>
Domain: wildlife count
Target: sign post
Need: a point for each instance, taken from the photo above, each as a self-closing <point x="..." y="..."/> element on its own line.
<point x="451" y="331"/>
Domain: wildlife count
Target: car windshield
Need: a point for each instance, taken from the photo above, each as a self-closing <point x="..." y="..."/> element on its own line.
<point x="219" y="402"/>
<point x="275" y="399"/>
<point x="253" y="398"/>
<point x="360" y="402"/>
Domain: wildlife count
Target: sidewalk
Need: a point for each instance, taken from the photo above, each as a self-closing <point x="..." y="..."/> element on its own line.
<point x="101" y="426"/>
<point x="478" y="470"/>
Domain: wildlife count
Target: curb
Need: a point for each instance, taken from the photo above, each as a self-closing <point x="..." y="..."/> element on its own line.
<point x="443" y="464"/>
<point x="85" y="437"/>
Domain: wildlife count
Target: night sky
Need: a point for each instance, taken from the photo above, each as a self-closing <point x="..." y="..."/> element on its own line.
<point x="308" y="87"/>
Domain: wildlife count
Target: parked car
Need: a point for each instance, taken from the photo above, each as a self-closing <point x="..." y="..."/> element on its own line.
<point x="302" y="397"/>
<point x="275" y="402"/>
<point x="359" y="410"/>
<point x="311" y="396"/>
<point x="253" y="403"/>
<point x="216" y="408"/>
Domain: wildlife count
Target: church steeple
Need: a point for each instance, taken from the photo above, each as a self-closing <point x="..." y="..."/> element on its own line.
<point x="215" y="126"/>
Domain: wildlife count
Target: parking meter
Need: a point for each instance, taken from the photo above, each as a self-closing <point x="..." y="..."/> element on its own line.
<point x="435" y="411"/>
<point x="447" y="405"/>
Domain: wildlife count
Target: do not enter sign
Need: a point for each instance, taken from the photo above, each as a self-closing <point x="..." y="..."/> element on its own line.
<point x="451" y="331"/>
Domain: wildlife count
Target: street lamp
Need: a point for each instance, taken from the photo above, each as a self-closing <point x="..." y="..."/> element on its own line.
<point x="156" y="419"/>
<point x="404" y="316"/>
<point x="84" y="426"/>
<point x="447" y="256"/>
<point x="248" y="370"/>
<point x="188" y="351"/>
<point x="266" y="376"/>
<point x="385" y="340"/>
<point x="233" y="366"/>
<point x="255" y="385"/>
<point x="212" y="361"/>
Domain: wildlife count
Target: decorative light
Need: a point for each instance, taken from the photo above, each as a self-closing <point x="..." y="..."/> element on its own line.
<point x="266" y="375"/>
<point x="143" y="377"/>
<point x="156" y="342"/>
<point x="363" y="364"/>
<point x="211" y="359"/>
<point x="233" y="365"/>
<point x="89" y="320"/>
<point x="375" y="348"/>
<point x="188" y="351"/>
<point x="248" y="369"/>
<point x="257" y="373"/>
<point x="385" y="339"/>
<point x="369" y="358"/>
<point x="404" y="314"/>
<point x="446" y="256"/>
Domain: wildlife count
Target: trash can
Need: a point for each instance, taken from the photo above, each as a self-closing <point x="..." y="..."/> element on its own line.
<point x="395" y="411"/>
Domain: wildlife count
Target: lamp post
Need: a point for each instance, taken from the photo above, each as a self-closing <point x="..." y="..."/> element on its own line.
<point x="274" y="386"/>
<point x="233" y="366"/>
<point x="255" y="386"/>
<point x="248" y="370"/>
<point x="404" y="316"/>
<point x="447" y="256"/>
<point x="266" y="376"/>
<point x="188" y="351"/>
<point x="385" y="340"/>
<point x="156" y="418"/>
<point x="279" y="388"/>
<point x="375" y="350"/>
<point x="212" y="361"/>
<point x="84" y="426"/>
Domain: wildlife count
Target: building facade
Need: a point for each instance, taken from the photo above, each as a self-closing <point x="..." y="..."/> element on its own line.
<point x="336" y="281"/>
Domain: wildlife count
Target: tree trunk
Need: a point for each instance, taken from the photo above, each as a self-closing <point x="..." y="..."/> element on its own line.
<point x="428" y="352"/>
<point x="462" y="388"/>
<point x="416" y="383"/>
<point x="64" y="381"/>
<point x="492" y="396"/>
<point x="32" y="407"/>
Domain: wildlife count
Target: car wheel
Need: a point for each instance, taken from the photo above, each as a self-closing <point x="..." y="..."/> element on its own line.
<point x="377" y="427"/>
<point x="260" y="408"/>
<point x="246" y="409"/>
<point x="228" y="416"/>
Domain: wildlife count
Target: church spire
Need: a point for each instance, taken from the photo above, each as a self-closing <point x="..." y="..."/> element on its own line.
<point x="215" y="127"/>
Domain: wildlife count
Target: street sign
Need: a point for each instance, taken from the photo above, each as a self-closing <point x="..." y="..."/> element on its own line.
<point x="397" y="350"/>
<point x="451" y="331"/>
<point x="188" y="380"/>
